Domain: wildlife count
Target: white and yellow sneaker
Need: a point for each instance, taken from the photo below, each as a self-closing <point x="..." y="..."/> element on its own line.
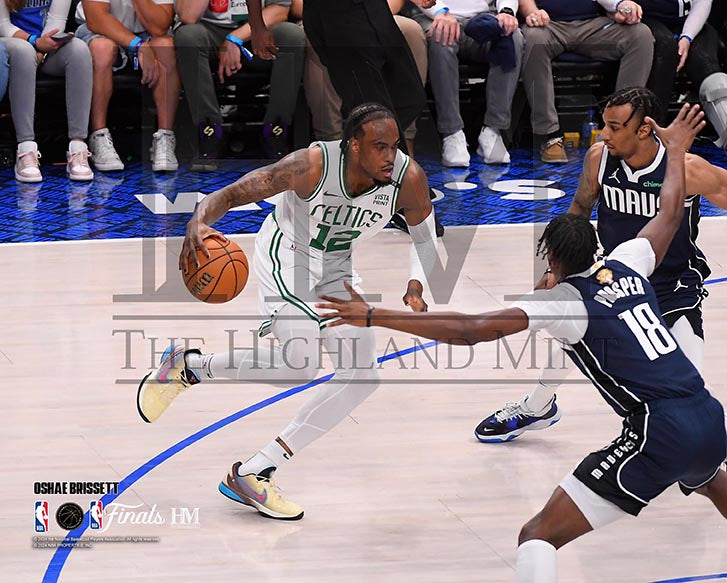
<point x="160" y="387"/>
<point x="261" y="493"/>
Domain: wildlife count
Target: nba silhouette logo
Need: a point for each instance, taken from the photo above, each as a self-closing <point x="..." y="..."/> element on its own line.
<point x="95" y="515"/>
<point x="41" y="516"/>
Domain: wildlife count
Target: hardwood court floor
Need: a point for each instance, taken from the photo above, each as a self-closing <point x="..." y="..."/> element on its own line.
<point x="400" y="491"/>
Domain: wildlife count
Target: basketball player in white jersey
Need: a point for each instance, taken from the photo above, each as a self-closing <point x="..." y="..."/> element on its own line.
<point x="624" y="175"/>
<point x="336" y="194"/>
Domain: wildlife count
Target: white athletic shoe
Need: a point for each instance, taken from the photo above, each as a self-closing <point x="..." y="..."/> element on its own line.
<point x="105" y="157"/>
<point x="77" y="157"/>
<point x="163" y="145"/>
<point x="491" y="147"/>
<point x="27" y="167"/>
<point x="454" y="150"/>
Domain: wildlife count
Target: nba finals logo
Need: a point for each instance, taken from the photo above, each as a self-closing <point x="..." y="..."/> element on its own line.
<point x="41" y="516"/>
<point x="95" y="515"/>
<point x="605" y="277"/>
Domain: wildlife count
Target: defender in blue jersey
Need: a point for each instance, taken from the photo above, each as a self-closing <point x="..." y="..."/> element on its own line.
<point x="606" y="314"/>
<point x="623" y="176"/>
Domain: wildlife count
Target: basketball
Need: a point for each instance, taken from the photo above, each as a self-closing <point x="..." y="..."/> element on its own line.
<point x="221" y="277"/>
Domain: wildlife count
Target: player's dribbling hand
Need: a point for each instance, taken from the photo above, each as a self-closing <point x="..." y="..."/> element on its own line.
<point x="352" y="312"/>
<point x="194" y="241"/>
<point x="681" y="132"/>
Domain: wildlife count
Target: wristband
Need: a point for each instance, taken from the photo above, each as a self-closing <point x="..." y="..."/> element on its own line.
<point x="135" y="44"/>
<point x="686" y="36"/>
<point x="368" y="316"/>
<point x="32" y="39"/>
<point x="507" y="10"/>
<point x="236" y="41"/>
<point x="444" y="9"/>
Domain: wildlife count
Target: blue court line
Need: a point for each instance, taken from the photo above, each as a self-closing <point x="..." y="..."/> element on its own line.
<point x="697" y="578"/>
<point x="709" y="281"/>
<point x="55" y="566"/>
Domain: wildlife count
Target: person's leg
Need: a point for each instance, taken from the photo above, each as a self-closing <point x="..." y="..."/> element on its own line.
<point x="23" y="66"/>
<point x="4" y="69"/>
<point x="166" y="99"/>
<point x="664" y="65"/>
<point x="287" y="73"/>
<point x="703" y="70"/>
<point x="542" y="45"/>
<point x="536" y="410"/>
<point x="103" y="52"/>
<point x="73" y="61"/>
<point x="166" y="92"/>
<point x="716" y="491"/>
<point x="323" y="101"/>
<point x="417" y="43"/>
<point x="691" y="343"/>
<point x="194" y="44"/>
<point x="572" y="511"/>
<point x="444" y="80"/>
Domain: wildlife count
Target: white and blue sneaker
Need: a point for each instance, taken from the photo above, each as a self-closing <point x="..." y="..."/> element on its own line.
<point x="160" y="387"/>
<point x="514" y="420"/>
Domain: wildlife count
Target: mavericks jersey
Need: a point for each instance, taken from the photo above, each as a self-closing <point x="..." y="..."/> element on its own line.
<point x="627" y="351"/>
<point x="332" y="221"/>
<point x="627" y="200"/>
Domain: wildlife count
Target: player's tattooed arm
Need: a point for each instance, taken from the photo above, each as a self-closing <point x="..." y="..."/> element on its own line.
<point x="707" y="179"/>
<point x="299" y="171"/>
<point x="587" y="191"/>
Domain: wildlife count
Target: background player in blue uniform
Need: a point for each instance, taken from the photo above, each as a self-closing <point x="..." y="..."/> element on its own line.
<point x="673" y="429"/>
<point x="624" y="175"/>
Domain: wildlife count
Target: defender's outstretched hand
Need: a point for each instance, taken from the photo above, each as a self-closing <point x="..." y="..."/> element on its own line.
<point x="681" y="132"/>
<point x="354" y="311"/>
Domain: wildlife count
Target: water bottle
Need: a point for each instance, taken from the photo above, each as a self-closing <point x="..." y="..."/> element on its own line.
<point x="589" y="125"/>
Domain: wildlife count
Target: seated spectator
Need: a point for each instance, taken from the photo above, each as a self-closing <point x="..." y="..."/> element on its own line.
<point x="447" y="42"/>
<point x="4" y="69"/>
<point x="325" y="103"/>
<point x="131" y="34"/>
<point x="553" y="27"/>
<point x="218" y="29"/>
<point x="35" y="41"/>
<point x="685" y="41"/>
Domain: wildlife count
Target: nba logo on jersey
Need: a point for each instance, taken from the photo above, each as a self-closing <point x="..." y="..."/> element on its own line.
<point x="41" y="516"/>
<point x="95" y="515"/>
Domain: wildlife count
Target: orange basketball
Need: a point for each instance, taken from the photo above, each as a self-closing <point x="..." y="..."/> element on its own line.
<point x="221" y="277"/>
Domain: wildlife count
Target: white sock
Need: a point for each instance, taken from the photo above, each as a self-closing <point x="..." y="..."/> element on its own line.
<point x="272" y="455"/>
<point x="536" y="562"/>
<point x="539" y="399"/>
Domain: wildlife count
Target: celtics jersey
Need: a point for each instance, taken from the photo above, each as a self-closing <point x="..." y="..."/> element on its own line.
<point x="627" y="200"/>
<point x="331" y="220"/>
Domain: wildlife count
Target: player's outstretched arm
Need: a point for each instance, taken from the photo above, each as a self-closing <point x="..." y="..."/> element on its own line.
<point x="419" y="214"/>
<point x="707" y="179"/>
<point x="299" y="171"/>
<point x="448" y="327"/>
<point x="677" y="138"/>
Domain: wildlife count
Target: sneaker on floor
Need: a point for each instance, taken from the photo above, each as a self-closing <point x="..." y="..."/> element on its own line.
<point x="513" y="420"/>
<point x="553" y="151"/>
<point x="491" y="147"/>
<point x="163" y="146"/>
<point x="260" y="492"/>
<point x="27" y="167"/>
<point x="454" y="150"/>
<point x="105" y="157"/>
<point x="160" y="387"/>
<point x="77" y="166"/>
